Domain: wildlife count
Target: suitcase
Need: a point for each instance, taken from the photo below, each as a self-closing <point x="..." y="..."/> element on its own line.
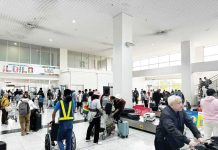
<point x="2" y="145"/>
<point x="126" y="111"/>
<point x="153" y="107"/>
<point x="123" y="129"/>
<point x="133" y="116"/>
<point x="36" y="122"/>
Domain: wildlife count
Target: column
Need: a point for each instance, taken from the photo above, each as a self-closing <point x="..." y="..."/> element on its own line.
<point x="186" y="70"/>
<point x="65" y="74"/>
<point x="122" y="57"/>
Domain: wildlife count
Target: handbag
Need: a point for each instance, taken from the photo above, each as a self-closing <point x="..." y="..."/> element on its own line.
<point x="8" y="108"/>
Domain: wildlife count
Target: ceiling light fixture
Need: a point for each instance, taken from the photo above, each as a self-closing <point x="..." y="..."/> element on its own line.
<point x="73" y="21"/>
<point x="15" y="43"/>
<point x="50" y="40"/>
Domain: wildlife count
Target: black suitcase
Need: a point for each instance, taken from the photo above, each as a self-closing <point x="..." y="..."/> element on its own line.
<point x="36" y="122"/>
<point x="133" y="116"/>
<point x="2" y="145"/>
<point x="153" y="107"/>
<point x="126" y="111"/>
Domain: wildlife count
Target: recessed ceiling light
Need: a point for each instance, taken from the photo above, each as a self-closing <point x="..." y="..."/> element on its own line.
<point x="15" y="43"/>
<point x="73" y="21"/>
<point x="152" y="44"/>
<point x="50" y="40"/>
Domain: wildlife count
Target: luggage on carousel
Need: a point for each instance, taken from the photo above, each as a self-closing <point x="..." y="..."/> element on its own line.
<point x="133" y="116"/>
<point x="126" y="111"/>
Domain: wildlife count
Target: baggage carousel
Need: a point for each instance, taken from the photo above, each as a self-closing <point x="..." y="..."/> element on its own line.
<point x="147" y="126"/>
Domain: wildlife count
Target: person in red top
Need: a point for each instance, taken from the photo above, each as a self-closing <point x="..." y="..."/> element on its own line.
<point x="119" y="105"/>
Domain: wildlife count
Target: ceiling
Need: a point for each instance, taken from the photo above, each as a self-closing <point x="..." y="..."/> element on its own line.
<point x="37" y="21"/>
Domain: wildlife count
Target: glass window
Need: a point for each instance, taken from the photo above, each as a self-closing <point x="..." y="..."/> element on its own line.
<point x="98" y="62"/>
<point x="70" y="59"/>
<point x="77" y="59"/>
<point x="35" y="54"/>
<point x="109" y="64"/>
<point x="175" y="63"/>
<point x="211" y="58"/>
<point x="153" y="60"/>
<point x="45" y="56"/>
<point x="55" y="57"/>
<point x="24" y="53"/>
<point x="163" y="64"/>
<point x="85" y="61"/>
<point x="91" y="62"/>
<point x="136" y="64"/>
<point x="144" y="62"/>
<point x="144" y="67"/>
<point x="3" y="50"/>
<point x="175" y="57"/>
<point x="103" y="63"/>
<point x="212" y="50"/>
<point x="136" y="68"/>
<point x="153" y="66"/>
<point x="13" y="51"/>
<point x="163" y="59"/>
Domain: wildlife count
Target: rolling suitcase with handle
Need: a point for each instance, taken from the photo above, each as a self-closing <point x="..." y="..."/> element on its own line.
<point x="123" y="129"/>
<point x="133" y="116"/>
<point x="2" y="145"/>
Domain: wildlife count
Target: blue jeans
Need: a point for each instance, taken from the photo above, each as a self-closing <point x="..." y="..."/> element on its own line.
<point x="64" y="134"/>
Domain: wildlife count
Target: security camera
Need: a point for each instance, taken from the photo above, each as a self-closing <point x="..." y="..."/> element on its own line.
<point x="128" y="44"/>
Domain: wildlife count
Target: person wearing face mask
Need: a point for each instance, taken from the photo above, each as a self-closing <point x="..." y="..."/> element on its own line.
<point x="169" y="132"/>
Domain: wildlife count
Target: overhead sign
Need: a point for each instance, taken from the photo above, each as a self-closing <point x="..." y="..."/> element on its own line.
<point x="28" y="69"/>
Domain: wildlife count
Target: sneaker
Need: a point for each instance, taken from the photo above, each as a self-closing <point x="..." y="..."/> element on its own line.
<point x="99" y="143"/>
<point x="88" y="140"/>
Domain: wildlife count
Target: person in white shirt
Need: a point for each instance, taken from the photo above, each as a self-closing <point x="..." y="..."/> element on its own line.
<point x="94" y="117"/>
<point x="79" y="101"/>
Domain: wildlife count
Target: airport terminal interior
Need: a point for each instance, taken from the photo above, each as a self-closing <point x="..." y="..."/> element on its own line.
<point x="118" y="65"/>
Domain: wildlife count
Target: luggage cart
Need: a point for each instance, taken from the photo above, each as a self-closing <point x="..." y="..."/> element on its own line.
<point x="51" y="136"/>
<point x="13" y="113"/>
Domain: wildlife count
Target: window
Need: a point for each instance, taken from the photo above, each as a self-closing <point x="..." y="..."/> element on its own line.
<point x="175" y="57"/>
<point x="136" y="64"/>
<point x="163" y="59"/>
<point x="98" y="62"/>
<point x="45" y="56"/>
<point x="164" y="65"/>
<point x="211" y="53"/>
<point x="103" y="63"/>
<point x="55" y="57"/>
<point x="109" y="64"/>
<point x="91" y="62"/>
<point x="153" y="60"/>
<point x="3" y="50"/>
<point x="175" y="63"/>
<point x="85" y="61"/>
<point x="35" y="54"/>
<point x="24" y="53"/>
<point x="13" y="51"/>
<point x="153" y="66"/>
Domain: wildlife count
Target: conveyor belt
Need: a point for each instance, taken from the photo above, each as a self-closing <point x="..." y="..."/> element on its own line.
<point x="146" y="126"/>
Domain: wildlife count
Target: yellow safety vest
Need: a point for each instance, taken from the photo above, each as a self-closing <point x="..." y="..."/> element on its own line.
<point x="65" y="117"/>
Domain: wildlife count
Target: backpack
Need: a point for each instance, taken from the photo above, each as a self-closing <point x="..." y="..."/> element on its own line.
<point x="24" y="108"/>
<point x="108" y="108"/>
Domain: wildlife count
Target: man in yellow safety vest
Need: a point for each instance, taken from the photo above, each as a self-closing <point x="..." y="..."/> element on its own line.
<point x="65" y="120"/>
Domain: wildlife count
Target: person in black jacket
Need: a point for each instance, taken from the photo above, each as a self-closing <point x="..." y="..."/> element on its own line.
<point x="157" y="97"/>
<point x="169" y="132"/>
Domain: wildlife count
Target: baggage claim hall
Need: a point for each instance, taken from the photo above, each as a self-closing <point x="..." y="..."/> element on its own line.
<point x="108" y="74"/>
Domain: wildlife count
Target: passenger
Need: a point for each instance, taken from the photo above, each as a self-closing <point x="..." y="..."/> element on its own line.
<point x="24" y="114"/>
<point x="79" y="101"/>
<point x="207" y="82"/>
<point x="209" y="107"/>
<point x="5" y="103"/>
<point x="41" y="100"/>
<point x="94" y="118"/>
<point x="105" y="98"/>
<point x="169" y="132"/>
<point x="119" y="105"/>
<point x="65" y="121"/>
<point x="136" y="95"/>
